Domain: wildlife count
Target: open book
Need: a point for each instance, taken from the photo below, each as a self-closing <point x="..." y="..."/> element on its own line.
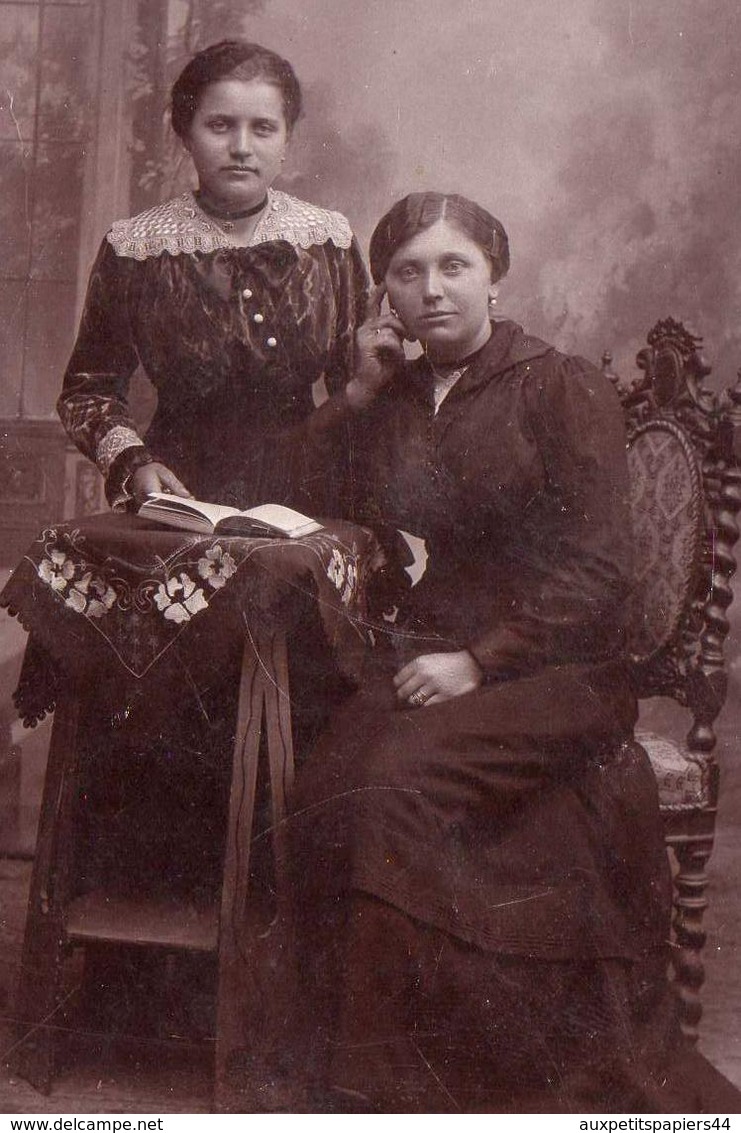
<point x="271" y="520"/>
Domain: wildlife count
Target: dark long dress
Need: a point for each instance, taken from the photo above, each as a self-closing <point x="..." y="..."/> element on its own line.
<point x="482" y="884"/>
<point x="240" y="343"/>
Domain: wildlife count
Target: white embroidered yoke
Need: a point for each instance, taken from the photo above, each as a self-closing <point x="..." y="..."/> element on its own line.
<point x="181" y="226"/>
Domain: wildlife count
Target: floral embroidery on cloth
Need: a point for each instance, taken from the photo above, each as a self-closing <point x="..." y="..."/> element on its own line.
<point x="83" y="592"/>
<point x="342" y="572"/>
<point x="138" y="590"/>
<point x="217" y="566"/>
<point x="178" y="599"/>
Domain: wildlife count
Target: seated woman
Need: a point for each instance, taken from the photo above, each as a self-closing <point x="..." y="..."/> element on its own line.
<point x="483" y="889"/>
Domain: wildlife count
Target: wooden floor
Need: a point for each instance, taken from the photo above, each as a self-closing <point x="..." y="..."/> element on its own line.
<point x="103" y="1074"/>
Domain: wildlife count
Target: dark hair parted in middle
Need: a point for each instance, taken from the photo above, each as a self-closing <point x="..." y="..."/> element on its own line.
<point x="419" y="211"/>
<point x="232" y="59"/>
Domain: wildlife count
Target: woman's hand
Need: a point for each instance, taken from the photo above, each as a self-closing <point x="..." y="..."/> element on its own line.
<point x="435" y="677"/>
<point x="378" y="352"/>
<point x="155" y="477"/>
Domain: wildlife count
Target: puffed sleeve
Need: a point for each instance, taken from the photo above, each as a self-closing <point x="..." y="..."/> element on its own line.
<point x="322" y="444"/>
<point x="93" y="404"/>
<point x="576" y="566"/>
<point x="352" y="295"/>
<point x="350" y="282"/>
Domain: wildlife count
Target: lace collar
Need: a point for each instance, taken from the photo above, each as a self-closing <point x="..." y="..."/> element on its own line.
<point x="180" y="226"/>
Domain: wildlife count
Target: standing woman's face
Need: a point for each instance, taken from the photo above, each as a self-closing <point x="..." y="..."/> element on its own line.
<point x="440" y="285"/>
<point x="238" y="139"/>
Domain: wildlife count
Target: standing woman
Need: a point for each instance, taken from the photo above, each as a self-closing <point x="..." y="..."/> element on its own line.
<point x="240" y="304"/>
<point x="235" y="300"/>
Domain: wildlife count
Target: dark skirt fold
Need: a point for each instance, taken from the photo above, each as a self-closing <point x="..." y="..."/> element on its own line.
<point x="539" y="839"/>
<point x="483" y="899"/>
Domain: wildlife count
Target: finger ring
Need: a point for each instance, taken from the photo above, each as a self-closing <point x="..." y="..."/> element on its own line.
<point x="418" y="698"/>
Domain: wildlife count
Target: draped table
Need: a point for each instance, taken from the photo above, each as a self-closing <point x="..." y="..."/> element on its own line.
<point x="128" y="613"/>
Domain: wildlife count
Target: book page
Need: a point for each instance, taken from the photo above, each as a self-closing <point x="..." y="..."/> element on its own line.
<point x="164" y="503"/>
<point x="284" y="518"/>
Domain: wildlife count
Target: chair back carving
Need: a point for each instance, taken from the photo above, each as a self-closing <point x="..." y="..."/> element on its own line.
<point x="685" y="496"/>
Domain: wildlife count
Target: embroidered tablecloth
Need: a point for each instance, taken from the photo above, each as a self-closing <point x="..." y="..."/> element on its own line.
<point x="117" y="600"/>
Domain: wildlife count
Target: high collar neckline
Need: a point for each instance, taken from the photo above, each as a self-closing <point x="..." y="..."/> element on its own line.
<point x="507" y="346"/>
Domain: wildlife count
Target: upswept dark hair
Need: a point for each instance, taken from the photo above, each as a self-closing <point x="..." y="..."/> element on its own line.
<point x="419" y="211"/>
<point x="232" y="59"/>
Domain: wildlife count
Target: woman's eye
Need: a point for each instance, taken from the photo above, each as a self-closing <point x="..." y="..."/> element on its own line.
<point x="408" y="273"/>
<point x="218" y="125"/>
<point x="264" y="129"/>
<point x="453" y="267"/>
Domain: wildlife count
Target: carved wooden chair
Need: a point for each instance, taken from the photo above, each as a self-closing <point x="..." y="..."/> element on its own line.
<point x="686" y="493"/>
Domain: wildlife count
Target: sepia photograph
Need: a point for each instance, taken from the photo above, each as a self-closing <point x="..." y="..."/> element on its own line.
<point x="370" y="490"/>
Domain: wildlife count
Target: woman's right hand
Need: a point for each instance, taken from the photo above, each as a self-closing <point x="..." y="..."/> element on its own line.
<point x="379" y="351"/>
<point x="155" y="477"/>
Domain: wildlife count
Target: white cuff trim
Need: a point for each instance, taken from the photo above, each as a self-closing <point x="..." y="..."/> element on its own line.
<point x="116" y="441"/>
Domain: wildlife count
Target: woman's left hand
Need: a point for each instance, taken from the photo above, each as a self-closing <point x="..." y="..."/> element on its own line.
<point x="435" y="677"/>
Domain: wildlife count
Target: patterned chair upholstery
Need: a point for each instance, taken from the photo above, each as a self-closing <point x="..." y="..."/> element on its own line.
<point x="685" y="496"/>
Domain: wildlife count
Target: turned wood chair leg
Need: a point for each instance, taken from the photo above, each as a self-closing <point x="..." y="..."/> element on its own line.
<point x="690" y="904"/>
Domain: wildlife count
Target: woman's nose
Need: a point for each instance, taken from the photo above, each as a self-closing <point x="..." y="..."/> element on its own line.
<point x="433" y="285"/>
<point x="241" y="141"/>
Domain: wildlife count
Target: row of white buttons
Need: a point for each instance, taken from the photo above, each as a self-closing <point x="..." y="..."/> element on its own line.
<point x="258" y="318"/>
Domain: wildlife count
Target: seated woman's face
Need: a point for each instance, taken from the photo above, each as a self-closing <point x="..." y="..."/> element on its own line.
<point x="440" y="285"/>
<point x="237" y="140"/>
